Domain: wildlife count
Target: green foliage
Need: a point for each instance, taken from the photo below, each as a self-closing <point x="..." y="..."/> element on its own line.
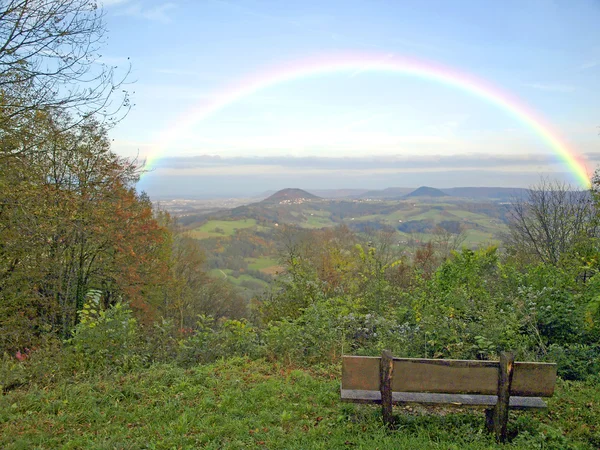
<point x="575" y="361"/>
<point x="106" y="338"/>
<point x="462" y="311"/>
<point x="316" y="336"/>
<point x="44" y="365"/>
<point x="212" y="340"/>
<point x="292" y="293"/>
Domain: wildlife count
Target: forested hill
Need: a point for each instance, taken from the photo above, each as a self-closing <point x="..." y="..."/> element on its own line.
<point x="290" y="195"/>
<point x="489" y="193"/>
<point x="425" y="191"/>
<point x="475" y="193"/>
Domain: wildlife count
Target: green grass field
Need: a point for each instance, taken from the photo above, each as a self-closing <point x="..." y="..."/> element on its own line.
<point x="240" y="404"/>
<point x="216" y="228"/>
<point x="317" y="221"/>
<point x="265" y="264"/>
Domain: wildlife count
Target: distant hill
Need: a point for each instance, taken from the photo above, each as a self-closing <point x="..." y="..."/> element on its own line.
<point x="338" y="193"/>
<point x="426" y="191"/>
<point x="488" y="193"/>
<point x="290" y="194"/>
<point x="391" y="193"/>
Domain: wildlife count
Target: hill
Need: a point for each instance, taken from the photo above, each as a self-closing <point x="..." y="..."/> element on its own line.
<point x="426" y="191"/>
<point x="338" y="193"/>
<point x="488" y="193"/>
<point x="387" y="193"/>
<point x="290" y="195"/>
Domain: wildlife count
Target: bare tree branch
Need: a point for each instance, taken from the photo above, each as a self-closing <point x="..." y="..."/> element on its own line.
<point x="49" y="58"/>
<point x="550" y="220"/>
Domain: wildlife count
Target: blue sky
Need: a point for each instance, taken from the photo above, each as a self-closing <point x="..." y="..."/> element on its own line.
<point x="184" y="53"/>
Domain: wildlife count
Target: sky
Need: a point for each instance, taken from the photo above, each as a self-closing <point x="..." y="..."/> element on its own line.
<point x="354" y="127"/>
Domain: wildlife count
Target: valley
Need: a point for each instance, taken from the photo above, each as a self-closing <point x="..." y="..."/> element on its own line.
<point x="241" y="242"/>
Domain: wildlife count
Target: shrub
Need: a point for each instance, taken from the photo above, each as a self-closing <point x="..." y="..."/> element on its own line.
<point x="212" y="340"/>
<point x="575" y="361"/>
<point x="106" y="338"/>
<point x="43" y="365"/>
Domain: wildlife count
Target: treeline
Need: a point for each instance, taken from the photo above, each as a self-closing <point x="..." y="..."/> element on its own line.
<point x="72" y="225"/>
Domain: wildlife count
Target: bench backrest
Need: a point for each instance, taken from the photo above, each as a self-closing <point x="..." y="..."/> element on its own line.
<point x="448" y="376"/>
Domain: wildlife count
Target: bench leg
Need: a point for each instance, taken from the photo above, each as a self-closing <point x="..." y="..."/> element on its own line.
<point x="386" y="371"/>
<point x="500" y="412"/>
<point x="489" y="420"/>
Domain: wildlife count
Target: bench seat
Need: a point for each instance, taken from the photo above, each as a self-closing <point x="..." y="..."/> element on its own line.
<point x="360" y="396"/>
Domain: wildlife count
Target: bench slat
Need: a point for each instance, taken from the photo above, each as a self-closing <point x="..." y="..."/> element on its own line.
<point x="362" y="396"/>
<point x="448" y="376"/>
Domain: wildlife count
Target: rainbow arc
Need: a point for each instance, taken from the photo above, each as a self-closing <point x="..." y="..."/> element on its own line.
<point x="358" y="63"/>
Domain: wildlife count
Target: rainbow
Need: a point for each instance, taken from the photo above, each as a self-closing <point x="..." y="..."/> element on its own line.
<point x="356" y="63"/>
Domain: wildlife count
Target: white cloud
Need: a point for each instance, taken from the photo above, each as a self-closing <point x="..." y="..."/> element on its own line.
<point x="589" y="65"/>
<point x="552" y="87"/>
<point x="113" y="2"/>
<point x="158" y="13"/>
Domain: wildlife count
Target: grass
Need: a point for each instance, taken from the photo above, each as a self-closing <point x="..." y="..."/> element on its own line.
<point x="240" y="403"/>
<point x="475" y="238"/>
<point x="317" y="221"/>
<point x="216" y="228"/>
<point x="219" y="273"/>
<point x="262" y="263"/>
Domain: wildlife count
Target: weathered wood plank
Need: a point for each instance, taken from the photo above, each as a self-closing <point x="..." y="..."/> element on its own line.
<point x="533" y="379"/>
<point x="441" y="378"/>
<point x="500" y="415"/>
<point x="451" y="362"/>
<point x="449" y="376"/>
<point x="386" y="374"/>
<point x="368" y="396"/>
<point x="360" y="372"/>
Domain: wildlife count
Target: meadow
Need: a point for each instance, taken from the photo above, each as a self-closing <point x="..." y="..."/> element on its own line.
<point x="239" y="403"/>
<point x="216" y="228"/>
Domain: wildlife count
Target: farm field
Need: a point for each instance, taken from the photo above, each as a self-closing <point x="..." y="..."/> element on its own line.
<point x="268" y="265"/>
<point x="216" y="228"/>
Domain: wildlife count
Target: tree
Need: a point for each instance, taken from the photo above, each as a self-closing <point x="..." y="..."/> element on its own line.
<point x="550" y="221"/>
<point x="449" y="238"/>
<point x="49" y="58"/>
<point x="71" y="222"/>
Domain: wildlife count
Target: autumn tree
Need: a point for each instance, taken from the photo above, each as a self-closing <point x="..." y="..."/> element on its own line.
<point x="71" y="222"/>
<point x="190" y="292"/>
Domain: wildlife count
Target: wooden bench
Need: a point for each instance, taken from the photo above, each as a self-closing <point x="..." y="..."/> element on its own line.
<point x="494" y="385"/>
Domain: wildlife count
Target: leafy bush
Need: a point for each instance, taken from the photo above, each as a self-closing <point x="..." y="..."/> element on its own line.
<point x="106" y="338"/>
<point x="212" y="340"/>
<point x="575" y="361"/>
<point x="43" y="365"/>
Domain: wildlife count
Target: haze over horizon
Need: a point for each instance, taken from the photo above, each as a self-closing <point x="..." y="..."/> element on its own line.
<point x="352" y="128"/>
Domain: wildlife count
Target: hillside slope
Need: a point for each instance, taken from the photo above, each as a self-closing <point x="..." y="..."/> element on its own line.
<point x="291" y="195"/>
<point x="426" y="191"/>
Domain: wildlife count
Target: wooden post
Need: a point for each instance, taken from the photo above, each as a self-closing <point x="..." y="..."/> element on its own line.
<point x="386" y="371"/>
<point x="504" y="382"/>
<point x="489" y="420"/>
